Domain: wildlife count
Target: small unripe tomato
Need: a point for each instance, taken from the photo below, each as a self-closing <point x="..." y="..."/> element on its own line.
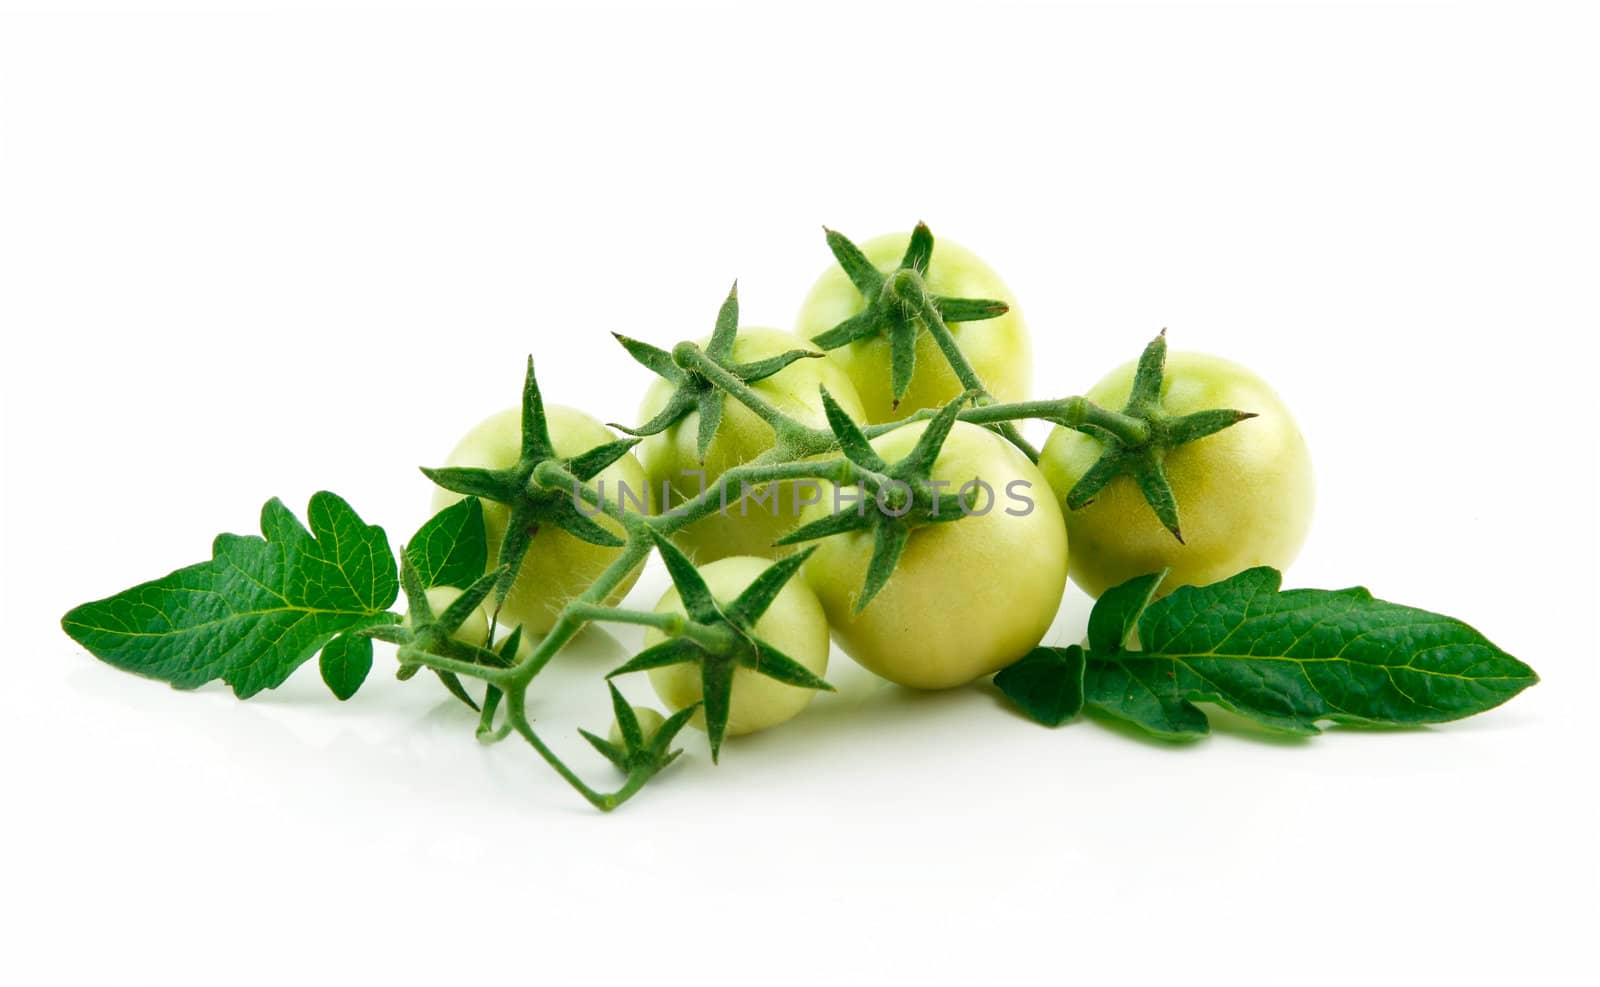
<point x="1245" y="494"/>
<point x="997" y="348"/>
<point x="558" y="566"/>
<point x="969" y="596"/>
<point x="794" y="624"/>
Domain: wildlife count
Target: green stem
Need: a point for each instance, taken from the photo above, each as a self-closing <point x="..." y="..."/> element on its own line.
<point x="1070" y="412"/>
<point x="488" y="733"/>
<point x="1129" y="430"/>
<point x="669" y="623"/>
<point x="791" y="433"/>
<point x="517" y="717"/>
<point x="439" y="663"/>
<point x="569" y="623"/>
<point x="922" y="303"/>
<point x="840" y="471"/>
<point x="551" y="475"/>
<point x="716" y="639"/>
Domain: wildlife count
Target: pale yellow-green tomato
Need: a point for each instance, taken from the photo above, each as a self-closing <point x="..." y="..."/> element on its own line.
<point x="1245" y="494"/>
<point x="794" y="624"/>
<point x="649" y="722"/>
<point x="998" y="349"/>
<point x="675" y="472"/>
<point x="558" y="566"/>
<point x="969" y="596"/>
<point x="475" y="629"/>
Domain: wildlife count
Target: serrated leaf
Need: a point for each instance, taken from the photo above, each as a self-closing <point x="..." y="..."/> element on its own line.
<point x="1130" y="693"/>
<point x="1046" y="684"/>
<point x="254" y="613"/>
<point x="450" y="549"/>
<point x="344" y="663"/>
<point x="1291" y="659"/>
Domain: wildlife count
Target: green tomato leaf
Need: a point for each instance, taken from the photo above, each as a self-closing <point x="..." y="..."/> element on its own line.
<point x="1046" y="684"/>
<point x="1139" y="693"/>
<point x="259" y="609"/>
<point x="451" y="548"/>
<point x="345" y="662"/>
<point x="1291" y="659"/>
<point x="1115" y="617"/>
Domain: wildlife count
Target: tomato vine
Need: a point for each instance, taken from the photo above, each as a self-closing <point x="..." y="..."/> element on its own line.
<point x="329" y="589"/>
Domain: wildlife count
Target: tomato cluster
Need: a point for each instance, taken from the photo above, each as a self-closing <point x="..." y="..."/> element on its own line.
<point x="1190" y="464"/>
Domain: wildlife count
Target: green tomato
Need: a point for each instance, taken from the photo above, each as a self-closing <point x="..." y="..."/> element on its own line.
<point x="998" y="349"/>
<point x="558" y="567"/>
<point x="672" y="463"/>
<point x="968" y="597"/>
<point x="794" y="624"/>
<point x="649" y="722"/>
<point x="1245" y="494"/>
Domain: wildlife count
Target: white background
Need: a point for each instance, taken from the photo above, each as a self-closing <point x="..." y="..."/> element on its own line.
<point x="282" y="248"/>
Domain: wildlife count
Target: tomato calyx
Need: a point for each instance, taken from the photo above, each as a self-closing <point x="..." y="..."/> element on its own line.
<point x="719" y="638"/>
<point x="899" y="305"/>
<point x="903" y="491"/>
<point x="638" y="754"/>
<point x="702" y="379"/>
<point x="531" y="504"/>
<point x="1137" y="439"/>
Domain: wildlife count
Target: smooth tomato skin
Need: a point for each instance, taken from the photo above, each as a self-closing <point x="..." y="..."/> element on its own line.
<point x="998" y="349"/>
<point x="558" y="566"/>
<point x="794" y="624"/>
<point x="969" y="597"/>
<point x="671" y="457"/>
<point x="1245" y="494"/>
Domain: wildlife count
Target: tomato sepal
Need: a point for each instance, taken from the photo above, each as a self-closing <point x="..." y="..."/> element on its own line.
<point x="717" y="639"/>
<point x="703" y="379"/>
<point x="902" y="490"/>
<point x="899" y="306"/>
<point x="530" y="504"/>
<point x="1137" y="439"/>
<point x="632" y="752"/>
